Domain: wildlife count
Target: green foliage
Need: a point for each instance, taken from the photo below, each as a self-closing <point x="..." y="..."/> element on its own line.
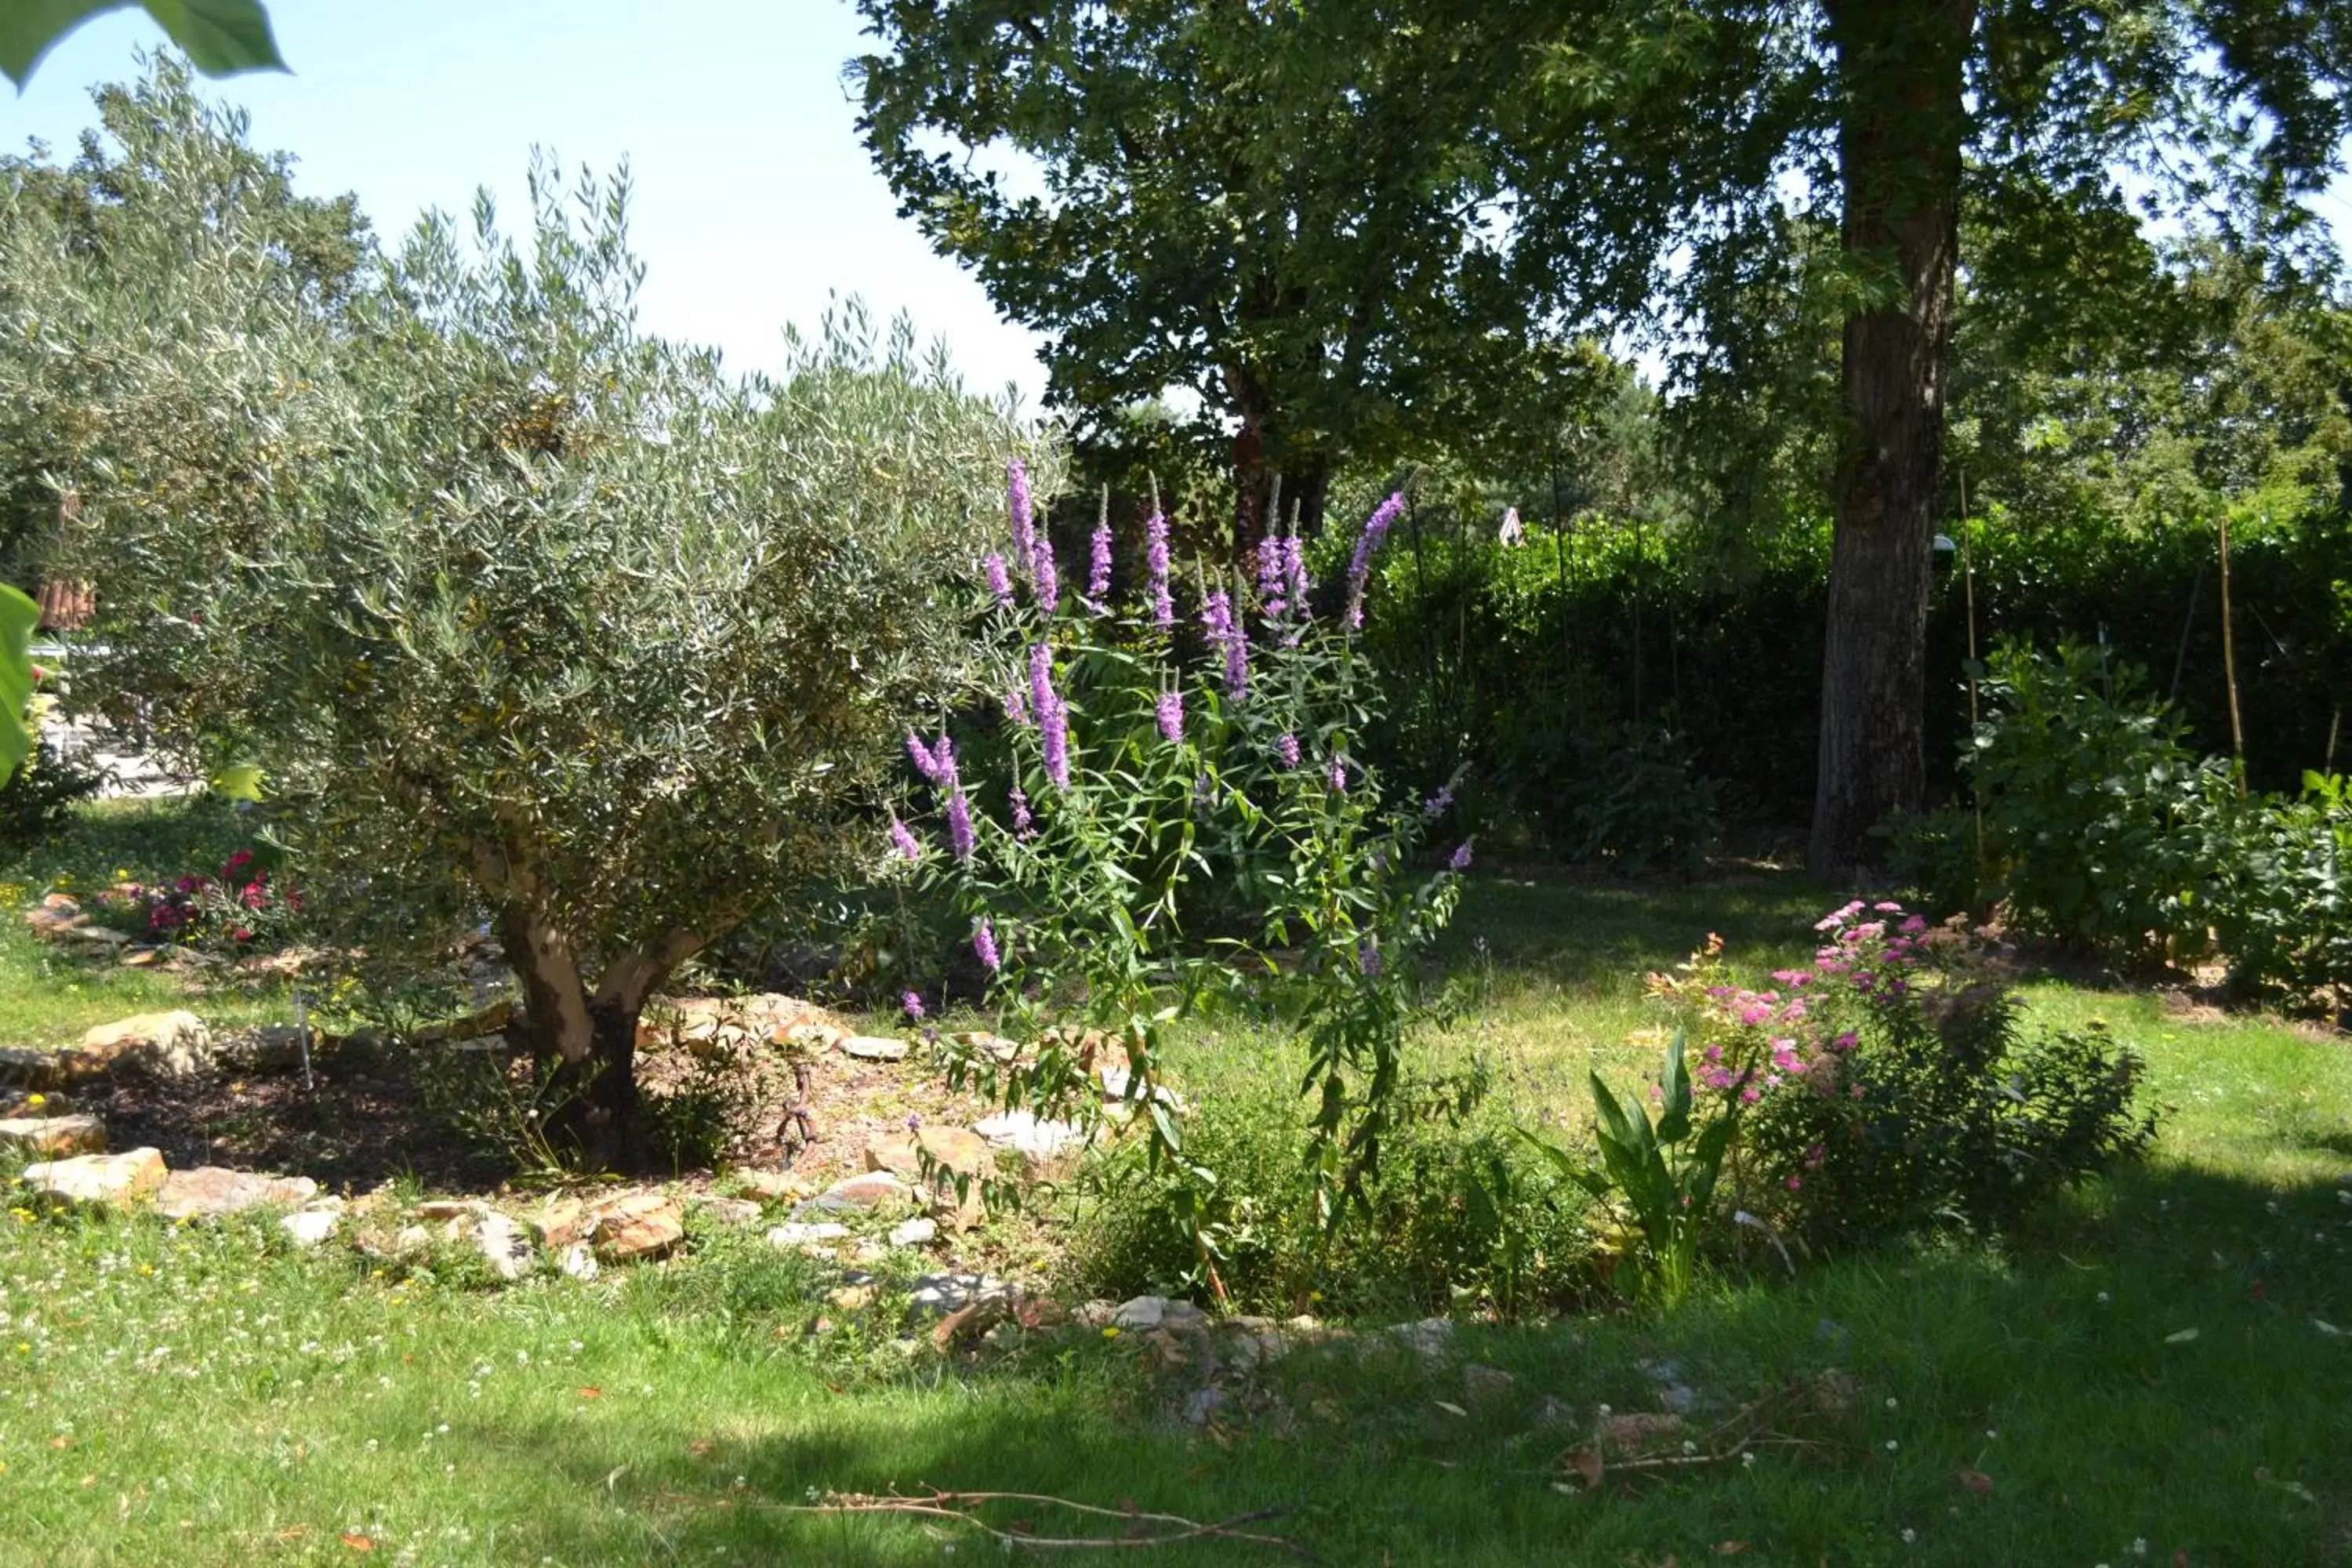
<point x="1157" y="827"/>
<point x="1665" y="1171"/>
<point x="1460" y="1212"/>
<point x="525" y="613"/>
<point x="1284" y="212"/>
<point x="221" y="36"/>
<point x="2284" y="907"/>
<point x="38" y="797"/>
<point x="18" y="615"/>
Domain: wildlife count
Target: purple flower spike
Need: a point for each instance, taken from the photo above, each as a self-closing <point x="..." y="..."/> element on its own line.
<point x="1016" y="497"/>
<point x="1294" y="573"/>
<point x="1169" y="710"/>
<point x="1368" y="958"/>
<point x="1098" y="569"/>
<point x="1359" y="567"/>
<point x="1155" y="566"/>
<point x="1285" y="746"/>
<point x="1269" y="574"/>
<point x="1048" y="584"/>
<point x="1016" y="707"/>
<point x="1052" y="718"/>
<point x="1217" y="616"/>
<point x="1021" y="818"/>
<point x="1461" y="861"/>
<point x="911" y="1003"/>
<point x="1439" y="803"/>
<point x="926" y="762"/>
<point x="901" y="836"/>
<point x="1339" y="773"/>
<point x="999" y="582"/>
<point x="983" y="946"/>
<point x="960" y="824"/>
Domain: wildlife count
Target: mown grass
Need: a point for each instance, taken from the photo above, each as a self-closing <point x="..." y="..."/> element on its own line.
<point x="2153" y="1373"/>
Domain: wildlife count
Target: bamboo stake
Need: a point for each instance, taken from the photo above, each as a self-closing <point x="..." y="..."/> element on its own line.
<point x="1968" y="595"/>
<point x="2230" y="666"/>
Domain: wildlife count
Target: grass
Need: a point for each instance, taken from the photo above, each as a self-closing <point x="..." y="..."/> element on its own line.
<point x="50" y="994"/>
<point x="2152" y="1370"/>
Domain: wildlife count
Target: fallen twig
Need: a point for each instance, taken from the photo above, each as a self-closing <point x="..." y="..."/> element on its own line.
<point x="956" y="1507"/>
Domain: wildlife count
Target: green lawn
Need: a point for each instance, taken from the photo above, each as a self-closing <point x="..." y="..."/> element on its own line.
<point x="2154" y="1374"/>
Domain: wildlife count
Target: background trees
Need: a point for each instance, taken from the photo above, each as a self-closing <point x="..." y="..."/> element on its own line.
<point x="1292" y="218"/>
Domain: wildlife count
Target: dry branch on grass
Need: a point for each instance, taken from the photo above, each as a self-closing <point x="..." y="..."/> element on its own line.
<point x="1143" y="1529"/>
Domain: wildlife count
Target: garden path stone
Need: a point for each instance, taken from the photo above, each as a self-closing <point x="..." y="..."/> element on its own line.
<point x="634" y="1226"/>
<point x="165" y="1044"/>
<point x="801" y="1235"/>
<point x="54" y="1136"/>
<point x="99" y="1179"/>
<point x="209" y="1192"/>
<point x="874" y="1047"/>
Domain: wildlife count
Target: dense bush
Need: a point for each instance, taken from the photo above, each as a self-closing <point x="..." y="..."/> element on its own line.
<point x="1894" y="1087"/>
<point x="2284" y="907"/>
<point x="35" y="798"/>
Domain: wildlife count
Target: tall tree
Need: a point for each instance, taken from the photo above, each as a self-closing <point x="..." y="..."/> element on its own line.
<point x="1886" y="115"/>
<point x="1289" y="216"/>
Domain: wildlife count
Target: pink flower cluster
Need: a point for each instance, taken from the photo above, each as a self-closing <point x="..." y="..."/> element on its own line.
<point x="181" y="909"/>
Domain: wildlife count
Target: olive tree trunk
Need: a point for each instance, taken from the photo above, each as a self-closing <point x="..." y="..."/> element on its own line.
<point x="1900" y="65"/>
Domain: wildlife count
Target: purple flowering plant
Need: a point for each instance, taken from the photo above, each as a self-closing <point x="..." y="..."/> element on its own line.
<point x="1148" y="838"/>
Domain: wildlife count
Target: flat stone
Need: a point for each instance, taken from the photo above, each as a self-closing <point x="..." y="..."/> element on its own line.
<point x="80" y="930"/>
<point x="433" y="1210"/>
<point x="273" y="1047"/>
<point x="728" y="1211"/>
<point x="956" y="1150"/>
<point x="1158" y="1312"/>
<point x="314" y="1226"/>
<point x="563" y="1222"/>
<point x="209" y="1192"/>
<point x="504" y="1244"/>
<point x="1487" y="1385"/>
<point x="873" y="1190"/>
<point x="1029" y="1134"/>
<point x="874" y="1047"/>
<point x="941" y="1293"/>
<point x="99" y="1179"/>
<point x="166" y="1045"/>
<point x="579" y="1261"/>
<point x="800" y="1234"/>
<point x="915" y="1233"/>
<point x="1430" y="1336"/>
<point x="635" y="1225"/>
<point x="54" y="1136"/>
<point x="894" y="1152"/>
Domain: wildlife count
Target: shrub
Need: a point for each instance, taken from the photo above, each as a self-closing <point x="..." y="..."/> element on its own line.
<point x="1642" y="807"/>
<point x="2098" y="824"/>
<point x="38" y="797"/>
<point x="1142" y="825"/>
<point x="1894" y="1087"/>
<point x="529" y="617"/>
<point x="2284" y="909"/>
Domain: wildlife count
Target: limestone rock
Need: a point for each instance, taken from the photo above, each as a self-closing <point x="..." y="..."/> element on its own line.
<point x="895" y="1152"/>
<point x="915" y="1233"/>
<point x="208" y="1192"/>
<point x="805" y="1234"/>
<point x="99" y="1179"/>
<point x="957" y="1151"/>
<point x="874" y="1047"/>
<point x="635" y="1225"/>
<point x="166" y="1045"/>
<point x="563" y="1222"/>
<point x="1048" y="1148"/>
<point x="1159" y="1312"/>
<point x="727" y="1211"/>
<point x="873" y="1190"/>
<point x="314" y="1225"/>
<point x="1486" y="1385"/>
<point x="940" y="1293"/>
<point x="54" y="1136"/>
<point x="504" y="1244"/>
<point x="579" y="1261"/>
<point x="433" y="1210"/>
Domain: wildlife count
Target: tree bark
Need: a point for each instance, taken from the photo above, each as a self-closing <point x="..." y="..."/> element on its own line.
<point x="1901" y="65"/>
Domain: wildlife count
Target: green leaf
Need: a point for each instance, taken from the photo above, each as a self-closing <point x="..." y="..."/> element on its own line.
<point x="221" y="36"/>
<point x="240" y="781"/>
<point x="19" y="617"/>
<point x="1675" y="1093"/>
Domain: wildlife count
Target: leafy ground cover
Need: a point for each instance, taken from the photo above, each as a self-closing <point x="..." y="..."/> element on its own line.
<point x="2155" y="1371"/>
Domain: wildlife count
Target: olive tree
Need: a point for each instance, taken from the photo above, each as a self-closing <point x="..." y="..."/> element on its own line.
<point x="533" y="617"/>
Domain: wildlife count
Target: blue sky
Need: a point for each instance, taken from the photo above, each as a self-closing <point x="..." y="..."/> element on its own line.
<point x="754" y="196"/>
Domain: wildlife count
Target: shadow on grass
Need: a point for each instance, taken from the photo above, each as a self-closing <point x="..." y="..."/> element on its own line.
<point x="2157" y="1365"/>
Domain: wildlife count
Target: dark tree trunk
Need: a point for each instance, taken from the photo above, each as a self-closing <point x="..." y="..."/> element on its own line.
<point x="588" y="1044"/>
<point x="1900" y="65"/>
<point x="1304" y="490"/>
